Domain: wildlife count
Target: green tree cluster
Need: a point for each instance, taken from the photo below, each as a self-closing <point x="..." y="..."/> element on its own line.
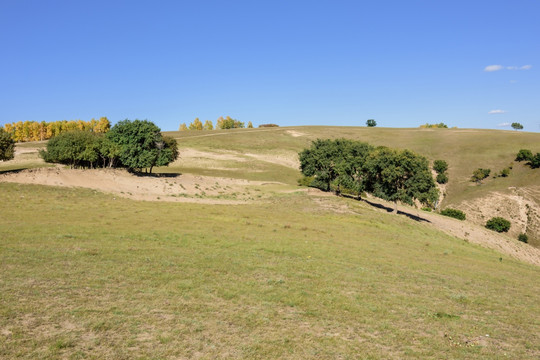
<point x="135" y="145"/>
<point x="480" y="174"/>
<point x="371" y="123"/>
<point x="7" y="146"/>
<point x="440" y="167"/>
<point x="352" y="167"/>
<point x="526" y="155"/>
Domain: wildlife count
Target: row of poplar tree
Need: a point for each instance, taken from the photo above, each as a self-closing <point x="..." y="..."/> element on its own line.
<point x="221" y="123"/>
<point x="354" y="167"/>
<point x="22" y="131"/>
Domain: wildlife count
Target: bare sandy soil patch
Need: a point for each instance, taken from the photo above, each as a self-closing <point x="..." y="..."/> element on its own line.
<point x="520" y="207"/>
<point x="295" y="133"/>
<point x="176" y="188"/>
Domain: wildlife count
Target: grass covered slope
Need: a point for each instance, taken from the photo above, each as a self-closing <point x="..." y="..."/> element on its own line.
<point x="272" y="154"/>
<point x="465" y="150"/>
<point x="84" y="275"/>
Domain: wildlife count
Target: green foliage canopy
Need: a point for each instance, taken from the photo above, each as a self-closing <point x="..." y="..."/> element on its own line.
<point x="7" y="146"/>
<point x="455" y="213"/>
<point x="498" y="224"/>
<point x="74" y="148"/>
<point x="371" y="123"/>
<point x="440" y="166"/>
<point x="335" y="164"/>
<point x="480" y="174"/>
<point x="352" y="167"/>
<point x="132" y="144"/>
<point x="517" y="126"/>
<point x="400" y="175"/>
<point x="141" y="145"/>
<point x="524" y="155"/>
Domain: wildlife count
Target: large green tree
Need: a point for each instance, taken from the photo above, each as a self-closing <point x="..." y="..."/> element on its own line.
<point x="335" y="164"/>
<point x="400" y="175"/>
<point x="76" y="148"/>
<point x="141" y="145"/>
<point x="7" y="145"/>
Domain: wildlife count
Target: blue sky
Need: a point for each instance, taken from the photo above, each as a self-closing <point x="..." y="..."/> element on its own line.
<point x="470" y="64"/>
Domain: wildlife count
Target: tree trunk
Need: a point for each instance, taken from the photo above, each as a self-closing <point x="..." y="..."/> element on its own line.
<point x="395" y="208"/>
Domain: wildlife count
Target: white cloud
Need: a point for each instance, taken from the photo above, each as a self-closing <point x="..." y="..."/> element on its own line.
<point x="503" y="124"/>
<point x="491" y="68"/>
<point x="498" y="111"/>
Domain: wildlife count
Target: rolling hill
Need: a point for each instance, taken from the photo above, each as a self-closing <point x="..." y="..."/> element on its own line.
<point x="224" y="256"/>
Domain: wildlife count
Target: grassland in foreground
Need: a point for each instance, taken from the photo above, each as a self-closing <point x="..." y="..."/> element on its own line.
<point x="86" y="276"/>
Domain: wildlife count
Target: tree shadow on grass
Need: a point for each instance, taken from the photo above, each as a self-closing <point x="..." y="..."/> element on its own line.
<point x="12" y="171"/>
<point x="156" y="175"/>
<point x="389" y="209"/>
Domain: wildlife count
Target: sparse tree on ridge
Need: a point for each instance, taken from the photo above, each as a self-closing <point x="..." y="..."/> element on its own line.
<point x="196" y="125"/>
<point x="517" y="126"/>
<point x="208" y="125"/>
<point x="371" y="123"/>
<point x="250" y="125"/>
<point x="183" y="127"/>
<point x="228" y="123"/>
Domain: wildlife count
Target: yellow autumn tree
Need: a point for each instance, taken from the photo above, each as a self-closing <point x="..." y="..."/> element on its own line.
<point x="196" y="125"/>
<point x="208" y="125"/>
<point x="183" y="127"/>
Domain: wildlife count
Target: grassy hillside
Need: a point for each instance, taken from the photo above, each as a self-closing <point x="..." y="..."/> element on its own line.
<point x="87" y="275"/>
<point x="516" y="197"/>
<point x="464" y="149"/>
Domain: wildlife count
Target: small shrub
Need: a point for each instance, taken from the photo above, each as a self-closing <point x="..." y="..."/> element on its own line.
<point x="455" y="213"/>
<point x="480" y="174"/>
<point x="524" y="155"/>
<point x="305" y="181"/>
<point x="268" y="125"/>
<point x="523" y="238"/>
<point x="498" y="224"/>
<point x="535" y="161"/>
<point x="442" y="178"/>
<point x="428" y="209"/>
<point x="505" y="172"/>
<point x="440" y="166"/>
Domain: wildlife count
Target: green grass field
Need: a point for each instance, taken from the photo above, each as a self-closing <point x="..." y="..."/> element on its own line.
<point x="87" y="275"/>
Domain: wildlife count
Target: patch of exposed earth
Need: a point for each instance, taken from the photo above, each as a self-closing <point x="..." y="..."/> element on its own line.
<point x="175" y="188"/>
<point x="520" y="207"/>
